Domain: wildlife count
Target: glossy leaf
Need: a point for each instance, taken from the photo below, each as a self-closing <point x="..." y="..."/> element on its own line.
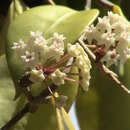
<point x="73" y="24"/>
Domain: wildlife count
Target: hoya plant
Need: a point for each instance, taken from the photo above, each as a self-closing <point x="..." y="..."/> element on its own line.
<point x="53" y="56"/>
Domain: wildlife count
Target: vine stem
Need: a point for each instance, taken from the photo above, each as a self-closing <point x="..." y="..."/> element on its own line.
<point x="106" y="4"/>
<point x="88" y="4"/>
<point x="51" y="2"/>
<point x="29" y="107"/>
<point x="103" y="68"/>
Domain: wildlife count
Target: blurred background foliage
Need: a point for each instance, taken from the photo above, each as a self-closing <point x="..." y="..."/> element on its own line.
<point x="75" y="4"/>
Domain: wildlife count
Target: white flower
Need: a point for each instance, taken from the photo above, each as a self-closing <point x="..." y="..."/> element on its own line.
<point x="56" y="49"/>
<point x="113" y="17"/>
<point x="118" y="27"/>
<point x="28" y="56"/>
<point x="74" y="50"/>
<point x="108" y="40"/>
<point x="103" y="25"/>
<point x="85" y="84"/>
<point x="110" y="58"/>
<point x="123" y="42"/>
<point x="20" y="47"/>
<point x="58" y="77"/>
<point x="36" y="75"/>
<point x="58" y="38"/>
<point x="82" y="62"/>
<point x="89" y="34"/>
<point x="113" y="33"/>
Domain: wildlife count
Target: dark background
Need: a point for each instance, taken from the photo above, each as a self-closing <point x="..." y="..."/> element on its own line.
<point x="75" y="4"/>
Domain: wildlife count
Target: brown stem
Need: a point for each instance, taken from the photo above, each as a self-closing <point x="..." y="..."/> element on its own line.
<point x="88" y="4"/>
<point x="106" y="4"/>
<point x="103" y="68"/>
<point x="41" y="98"/>
<point x="63" y="60"/>
<point x="50" y="2"/>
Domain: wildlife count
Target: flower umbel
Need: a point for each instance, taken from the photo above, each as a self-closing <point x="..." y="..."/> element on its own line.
<point x="83" y="63"/>
<point x="46" y="59"/>
<point x="111" y="35"/>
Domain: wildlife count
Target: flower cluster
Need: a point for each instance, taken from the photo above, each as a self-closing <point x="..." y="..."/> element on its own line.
<point x="83" y="63"/>
<point x="112" y="35"/>
<point x="48" y="58"/>
<point x="38" y="50"/>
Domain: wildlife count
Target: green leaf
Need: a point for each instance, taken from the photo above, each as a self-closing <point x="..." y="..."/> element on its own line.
<point x="73" y="24"/>
<point x="20" y="7"/>
<point x="8" y="107"/>
<point x="6" y="92"/>
<point x="63" y="119"/>
<point x="87" y="110"/>
<point x="106" y="106"/>
<point x="44" y="118"/>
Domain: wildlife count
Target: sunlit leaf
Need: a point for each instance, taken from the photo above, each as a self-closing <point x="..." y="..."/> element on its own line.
<point x="73" y="24"/>
<point x="63" y="119"/>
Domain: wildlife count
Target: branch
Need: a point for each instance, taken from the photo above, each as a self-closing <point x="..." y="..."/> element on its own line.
<point x="16" y="118"/>
<point x="29" y="107"/>
<point x="51" y="2"/>
<point x="88" y="4"/>
<point x="106" y="4"/>
<point x="103" y="68"/>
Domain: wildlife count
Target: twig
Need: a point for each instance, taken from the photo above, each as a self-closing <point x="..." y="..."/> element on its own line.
<point x="51" y="2"/>
<point x="103" y="68"/>
<point x="91" y="46"/>
<point x="111" y="75"/>
<point x="106" y="4"/>
<point x="41" y="98"/>
<point x="88" y="4"/>
<point x="87" y="50"/>
<point x="64" y="59"/>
